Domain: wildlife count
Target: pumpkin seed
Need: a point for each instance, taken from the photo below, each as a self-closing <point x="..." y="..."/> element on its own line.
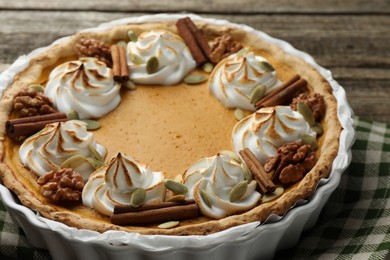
<point x="239" y="113"/>
<point x="317" y="128"/>
<point x="257" y="93"/>
<point x="177" y="198"/>
<point x="134" y="58"/>
<point x="95" y="153"/>
<point x="92" y="124"/>
<point x="273" y="195"/>
<point x="306" y="112"/>
<point x="129" y="85"/>
<point x="122" y="44"/>
<point x="175" y="187"/>
<point x="169" y="224"/>
<point x="95" y="163"/>
<point x="152" y="65"/>
<point x="38" y="88"/>
<point x="310" y="140"/>
<point x="206" y="198"/>
<point x="194" y="79"/>
<point x="238" y="191"/>
<point x="266" y="66"/>
<point x="208" y="67"/>
<point x="72" y="115"/>
<point x="246" y="172"/>
<point x="132" y="36"/>
<point x="74" y="161"/>
<point x="242" y="51"/>
<point x="138" y="197"/>
<point x="231" y="154"/>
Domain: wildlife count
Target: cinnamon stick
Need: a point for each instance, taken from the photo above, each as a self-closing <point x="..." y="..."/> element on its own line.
<point x="284" y="93"/>
<point x="123" y="64"/>
<point x="199" y="37"/>
<point x="190" y="40"/>
<point x="119" y="63"/>
<point x="157" y="205"/>
<point x="158" y="215"/>
<point x="257" y="170"/>
<point x="27" y="126"/>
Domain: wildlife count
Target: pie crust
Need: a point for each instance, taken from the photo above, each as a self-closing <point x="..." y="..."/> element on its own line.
<point x="23" y="183"/>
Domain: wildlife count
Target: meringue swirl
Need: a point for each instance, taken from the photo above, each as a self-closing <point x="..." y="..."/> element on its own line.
<point x="85" y="86"/>
<point x="114" y="183"/>
<point x="234" y="78"/>
<point x="269" y="128"/>
<point x="174" y="58"/>
<point x="49" y="148"/>
<point x="217" y="175"/>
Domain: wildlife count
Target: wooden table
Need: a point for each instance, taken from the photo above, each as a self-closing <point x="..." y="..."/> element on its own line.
<point x="349" y="37"/>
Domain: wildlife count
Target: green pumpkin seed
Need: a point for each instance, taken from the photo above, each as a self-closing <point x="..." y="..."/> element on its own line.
<point x="175" y="187"/>
<point x="242" y="51"/>
<point x="122" y="44"/>
<point x="310" y="140"/>
<point x="206" y="198"/>
<point x="306" y="112"/>
<point x="92" y="124"/>
<point x="246" y="172"/>
<point x="238" y="191"/>
<point x="239" y="113"/>
<point x="177" y="198"/>
<point x="208" y="67"/>
<point x="72" y="115"/>
<point x="132" y="36"/>
<point x="273" y="195"/>
<point x="194" y="79"/>
<point x="95" y="153"/>
<point x="231" y="154"/>
<point x="74" y="161"/>
<point x="257" y="93"/>
<point x="266" y="66"/>
<point x="138" y="197"/>
<point x="169" y="224"/>
<point x="136" y="59"/>
<point x="38" y="88"/>
<point x="95" y="163"/>
<point x="152" y="65"/>
<point x="317" y="128"/>
<point x="129" y="85"/>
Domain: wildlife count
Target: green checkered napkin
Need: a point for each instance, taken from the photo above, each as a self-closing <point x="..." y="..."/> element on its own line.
<point x="355" y="223"/>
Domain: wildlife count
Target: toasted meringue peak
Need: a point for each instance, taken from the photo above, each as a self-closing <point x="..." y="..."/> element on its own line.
<point x="269" y="128"/>
<point x="85" y="86"/>
<point x="114" y="183"/>
<point x="57" y="142"/>
<point x="174" y="58"/>
<point x="216" y="176"/>
<point x="234" y="78"/>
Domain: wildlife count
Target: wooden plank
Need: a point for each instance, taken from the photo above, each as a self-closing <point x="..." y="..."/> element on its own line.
<point x="369" y="98"/>
<point x="334" y="41"/>
<point x="205" y="6"/>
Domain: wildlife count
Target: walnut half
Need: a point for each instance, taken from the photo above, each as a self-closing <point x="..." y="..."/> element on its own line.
<point x="292" y="162"/>
<point x="29" y="102"/>
<point x="315" y="101"/>
<point x="222" y="47"/>
<point x="62" y="185"/>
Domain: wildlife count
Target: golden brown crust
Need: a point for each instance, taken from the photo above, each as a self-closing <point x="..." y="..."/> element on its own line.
<point x="23" y="183"/>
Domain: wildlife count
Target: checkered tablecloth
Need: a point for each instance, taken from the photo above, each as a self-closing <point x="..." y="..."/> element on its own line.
<point x="355" y="223"/>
